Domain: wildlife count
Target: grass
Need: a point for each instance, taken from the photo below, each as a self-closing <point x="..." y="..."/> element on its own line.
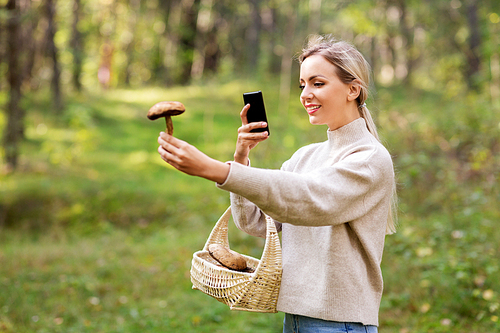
<point x="97" y="233"/>
<point x="114" y="282"/>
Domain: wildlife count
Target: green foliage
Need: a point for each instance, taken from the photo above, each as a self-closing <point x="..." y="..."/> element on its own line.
<point x="98" y="232"/>
<point x="114" y="282"/>
<point x="441" y="267"/>
<point x="146" y="38"/>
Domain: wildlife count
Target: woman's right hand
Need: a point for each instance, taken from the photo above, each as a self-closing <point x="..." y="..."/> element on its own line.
<point x="246" y="139"/>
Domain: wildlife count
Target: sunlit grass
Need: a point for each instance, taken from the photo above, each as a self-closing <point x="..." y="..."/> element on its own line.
<point x="117" y="281"/>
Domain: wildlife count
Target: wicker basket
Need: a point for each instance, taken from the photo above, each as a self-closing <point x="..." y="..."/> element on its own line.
<point x="255" y="291"/>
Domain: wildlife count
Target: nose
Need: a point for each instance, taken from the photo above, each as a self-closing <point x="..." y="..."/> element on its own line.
<point x="306" y="93"/>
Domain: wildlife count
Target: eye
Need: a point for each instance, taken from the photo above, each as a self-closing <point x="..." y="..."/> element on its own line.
<point x="319" y="84"/>
<point x="301" y="87"/>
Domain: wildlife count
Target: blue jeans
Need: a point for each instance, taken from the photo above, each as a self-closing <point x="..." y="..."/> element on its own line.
<point x="301" y="324"/>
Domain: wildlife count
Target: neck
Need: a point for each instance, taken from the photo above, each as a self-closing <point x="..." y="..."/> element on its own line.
<point x="350" y="114"/>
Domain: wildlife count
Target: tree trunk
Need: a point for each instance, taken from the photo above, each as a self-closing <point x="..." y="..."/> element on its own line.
<point x="212" y="50"/>
<point x="495" y="78"/>
<point x="171" y="11"/>
<point x="203" y="25"/>
<point x="158" y="69"/>
<point x="373" y="55"/>
<point x="187" y="38"/>
<point x="287" y="58"/>
<point x="129" y="49"/>
<point x="53" y="54"/>
<point x="77" y="46"/>
<point x="29" y="44"/>
<point x="473" y="53"/>
<point x="408" y="34"/>
<point x="275" y="48"/>
<point x="390" y="40"/>
<point x="14" y="126"/>
<point x="253" y="37"/>
<point x="314" y="16"/>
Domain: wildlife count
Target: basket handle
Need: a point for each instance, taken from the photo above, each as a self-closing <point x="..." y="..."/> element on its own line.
<point x="271" y="255"/>
<point x="272" y="248"/>
<point x="219" y="232"/>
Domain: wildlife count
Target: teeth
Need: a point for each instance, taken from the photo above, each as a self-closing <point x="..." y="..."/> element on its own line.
<point x="313" y="108"/>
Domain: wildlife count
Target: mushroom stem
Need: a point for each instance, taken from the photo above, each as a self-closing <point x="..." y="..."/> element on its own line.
<point x="170" y="125"/>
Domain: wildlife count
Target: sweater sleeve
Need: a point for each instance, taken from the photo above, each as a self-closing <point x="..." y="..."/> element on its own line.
<point x="328" y="195"/>
<point x="248" y="217"/>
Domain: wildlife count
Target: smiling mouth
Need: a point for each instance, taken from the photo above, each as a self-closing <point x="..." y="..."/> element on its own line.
<point x="312" y="109"/>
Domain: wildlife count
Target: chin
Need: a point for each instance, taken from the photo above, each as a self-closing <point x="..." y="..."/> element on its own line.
<point x="314" y="121"/>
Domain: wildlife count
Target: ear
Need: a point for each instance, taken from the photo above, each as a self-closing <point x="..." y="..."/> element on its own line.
<point x="354" y="90"/>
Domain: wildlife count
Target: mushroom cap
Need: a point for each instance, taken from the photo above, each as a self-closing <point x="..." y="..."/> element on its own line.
<point x="163" y="109"/>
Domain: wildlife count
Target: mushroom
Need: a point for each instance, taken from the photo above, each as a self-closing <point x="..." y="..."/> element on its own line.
<point x="166" y="109"/>
<point x="227" y="257"/>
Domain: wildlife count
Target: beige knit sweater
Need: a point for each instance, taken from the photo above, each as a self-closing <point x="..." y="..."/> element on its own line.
<point x="331" y="201"/>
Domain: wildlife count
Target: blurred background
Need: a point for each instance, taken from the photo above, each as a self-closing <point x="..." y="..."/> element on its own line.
<point x="97" y="232"/>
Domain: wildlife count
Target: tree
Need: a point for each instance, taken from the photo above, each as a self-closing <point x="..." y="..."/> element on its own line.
<point x="187" y="38"/>
<point x="30" y="45"/>
<point x="212" y="49"/>
<point x="253" y="36"/>
<point x="135" y="6"/>
<point x="275" y="50"/>
<point x="14" y="128"/>
<point x="207" y="46"/>
<point x="474" y="43"/>
<point x="52" y="51"/>
<point x="287" y="57"/>
<point x="168" y="43"/>
<point x="203" y="25"/>
<point x="314" y="25"/>
<point x="77" y="46"/>
<point x="407" y="31"/>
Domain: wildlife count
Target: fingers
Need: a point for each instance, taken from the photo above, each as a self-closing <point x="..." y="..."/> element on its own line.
<point x="168" y="139"/>
<point x="170" y="148"/>
<point x="163" y="154"/>
<point x="246" y="126"/>
<point x="245" y="131"/>
<point x="243" y="114"/>
<point x="166" y="155"/>
<point x="252" y="126"/>
<point x="171" y="143"/>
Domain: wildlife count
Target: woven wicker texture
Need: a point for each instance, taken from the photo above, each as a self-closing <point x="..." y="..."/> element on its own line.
<point x="255" y="291"/>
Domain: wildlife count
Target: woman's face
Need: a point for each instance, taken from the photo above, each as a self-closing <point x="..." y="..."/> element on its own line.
<point x="326" y="99"/>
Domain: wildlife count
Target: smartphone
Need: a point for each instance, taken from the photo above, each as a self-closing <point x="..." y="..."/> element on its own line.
<point x="257" y="111"/>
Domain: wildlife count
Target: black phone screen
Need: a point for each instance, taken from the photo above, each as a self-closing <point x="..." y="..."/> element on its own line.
<point x="257" y="111"/>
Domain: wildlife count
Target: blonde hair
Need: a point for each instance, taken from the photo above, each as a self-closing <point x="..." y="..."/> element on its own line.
<point x="351" y="67"/>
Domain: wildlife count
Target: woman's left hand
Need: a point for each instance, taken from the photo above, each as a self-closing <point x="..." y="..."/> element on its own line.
<point x="188" y="159"/>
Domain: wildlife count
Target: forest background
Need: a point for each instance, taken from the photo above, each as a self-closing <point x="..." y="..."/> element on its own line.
<point x="97" y="233"/>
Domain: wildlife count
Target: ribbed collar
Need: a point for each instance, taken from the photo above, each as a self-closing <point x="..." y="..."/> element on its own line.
<point x="348" y="134"/>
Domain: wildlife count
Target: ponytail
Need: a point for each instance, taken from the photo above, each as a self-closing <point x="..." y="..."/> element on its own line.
<point x="372" y="128"/>
<point x="370" y="124"/>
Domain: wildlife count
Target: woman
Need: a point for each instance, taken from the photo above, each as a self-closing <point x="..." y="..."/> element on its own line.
<point x="331" y="200"/>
